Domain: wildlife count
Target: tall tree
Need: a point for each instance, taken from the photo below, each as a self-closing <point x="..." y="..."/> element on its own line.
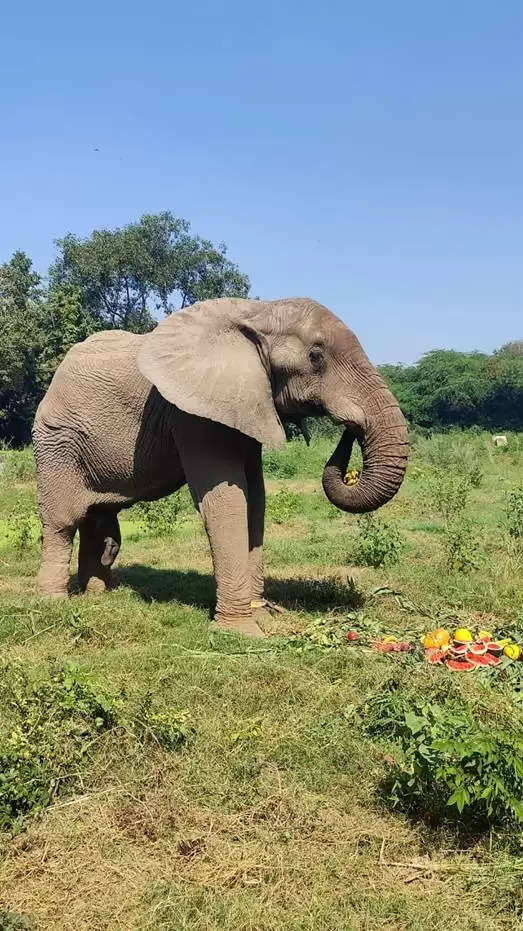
<point x="125" y="275"/>
<point x="20" y="346"/>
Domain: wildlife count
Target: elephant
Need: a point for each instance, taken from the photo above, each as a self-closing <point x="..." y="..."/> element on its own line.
<point x="132" y="417"/>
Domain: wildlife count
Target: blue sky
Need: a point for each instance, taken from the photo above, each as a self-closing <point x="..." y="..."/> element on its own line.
<point x="366" y="154"/>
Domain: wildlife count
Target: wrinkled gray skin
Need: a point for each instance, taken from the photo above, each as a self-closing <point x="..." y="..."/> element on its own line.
<point x="129" y="418"/>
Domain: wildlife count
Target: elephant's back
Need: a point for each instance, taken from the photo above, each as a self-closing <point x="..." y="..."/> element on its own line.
<point x="96" y="378"/>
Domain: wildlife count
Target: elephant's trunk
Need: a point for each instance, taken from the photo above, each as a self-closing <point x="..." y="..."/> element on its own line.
<point x="384" y="445"/>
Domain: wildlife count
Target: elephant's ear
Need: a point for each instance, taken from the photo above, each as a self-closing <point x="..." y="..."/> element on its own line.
<point x="208" y="361"/>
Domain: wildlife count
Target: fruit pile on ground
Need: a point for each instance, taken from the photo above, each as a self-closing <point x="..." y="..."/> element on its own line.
<point x="462" y="652"/>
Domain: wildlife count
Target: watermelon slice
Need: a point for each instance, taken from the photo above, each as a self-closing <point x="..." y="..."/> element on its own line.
<point x="461" y="665"/>
<point x="493" y="660"/>
<point x="434" y="656"/>
<point x="477" y="649"/>
<point x="458" y="649"/>
<point x="495" y="648"/>
<point x="479" y="660"/>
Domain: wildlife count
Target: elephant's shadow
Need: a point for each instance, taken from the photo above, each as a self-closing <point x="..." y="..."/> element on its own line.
<point x="198" y="590"/>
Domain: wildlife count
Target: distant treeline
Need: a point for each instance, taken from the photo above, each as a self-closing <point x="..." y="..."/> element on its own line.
<point x="462" y="389"/>
<point x="121" y="279"/>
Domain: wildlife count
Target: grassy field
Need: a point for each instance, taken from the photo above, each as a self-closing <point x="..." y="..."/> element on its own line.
<point x="175" y="777"/>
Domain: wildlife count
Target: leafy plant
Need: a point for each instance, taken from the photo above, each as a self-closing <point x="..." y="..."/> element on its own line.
<point x="461" y="545"/>
<point x="514" y="513"/>
<point x="280" y="464"/>
<point x="283" y="506"/>
<point x="447" y="492"/>
<point x="170" y="728"/>
<point x="46" y="729"/>
<point x="448" y="760"/>
<point x="160" y="518"/>
<point x="379" y="543"/>
<point x="20" y="528"/>
<point x="13" y="921"/>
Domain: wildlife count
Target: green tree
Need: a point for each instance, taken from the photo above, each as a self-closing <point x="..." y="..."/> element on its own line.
<point x="63" y="322"/>
<point x="19" y="283"/>
<point x="124" y="275"/>
<point x="20" y="346"/>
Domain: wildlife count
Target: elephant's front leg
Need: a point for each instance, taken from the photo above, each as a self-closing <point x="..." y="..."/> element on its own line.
<point x="214" y="462"/>
<point x="224" y="512"/>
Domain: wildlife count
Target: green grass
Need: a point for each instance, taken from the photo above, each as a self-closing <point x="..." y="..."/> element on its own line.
<point x="274" y="817"/>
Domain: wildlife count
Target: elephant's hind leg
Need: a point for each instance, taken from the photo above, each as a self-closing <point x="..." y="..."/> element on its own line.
<point x="53" y="577"/>
<point x="99" y="546"/>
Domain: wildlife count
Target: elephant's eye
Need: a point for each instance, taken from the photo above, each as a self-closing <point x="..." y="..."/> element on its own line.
<point x="316" y="356"/>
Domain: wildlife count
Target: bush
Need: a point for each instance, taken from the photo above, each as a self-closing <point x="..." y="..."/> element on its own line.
<point x="170" y="728"/>
<point x="13" y="921"/>
<point x="280" y="464"/>
<point x="49" y="724"/>
<point x="461" y="545"/>
<point x="160" y="518"/>
<point x="447" y="492"/>
<point x="449" y="762"/>
<point x="514" y="512"/>
<point x="46" y="727"/>
<point x="282" y="506"/>
<point x="21" y="527"/>
<point x="379" y="543"/>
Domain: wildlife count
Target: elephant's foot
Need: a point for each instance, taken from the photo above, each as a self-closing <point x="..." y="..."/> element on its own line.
<point x="240" y="625"/>
<point x="269" y="606"/>
<point x="96" y="585"/>
<point x="267" y="616"/>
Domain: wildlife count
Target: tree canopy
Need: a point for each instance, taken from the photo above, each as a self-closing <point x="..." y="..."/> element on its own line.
<point x="448" y="388"/>
<point x="156" y="264"/>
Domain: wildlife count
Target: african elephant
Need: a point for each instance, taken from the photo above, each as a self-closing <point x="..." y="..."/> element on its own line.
<point x="129" y="418"/>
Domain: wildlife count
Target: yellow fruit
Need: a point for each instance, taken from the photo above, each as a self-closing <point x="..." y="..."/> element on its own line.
<point x="462" y="635"/>
<point x="485" y="635"/>
<point x="512" y="651"/>
<point x="390" y="640"/>
<point x="436" y="638"/>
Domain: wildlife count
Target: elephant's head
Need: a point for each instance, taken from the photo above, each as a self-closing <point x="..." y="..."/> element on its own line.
<point x="253" y="364"/>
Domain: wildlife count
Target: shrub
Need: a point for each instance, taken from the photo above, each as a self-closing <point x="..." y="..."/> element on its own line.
<point x="461" y="545"/>
<point x="21" y="527"/>
<point x="13" y="921"/>
<point x="280" y="464"/>
<point x="379" y="543"/>
<point x="282" y="506"/>
<point x="170" y="728"/>
<point x="447" y="492"/>
<point x="46" y="727"/>
<point x="514" y="512"/>
<point x="448" y="761"/>
<point x="160" y="518"/>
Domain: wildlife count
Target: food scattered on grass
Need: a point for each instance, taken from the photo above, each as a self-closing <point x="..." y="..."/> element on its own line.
<point x="464" y="653"/>
<point x="459" y="652"/>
